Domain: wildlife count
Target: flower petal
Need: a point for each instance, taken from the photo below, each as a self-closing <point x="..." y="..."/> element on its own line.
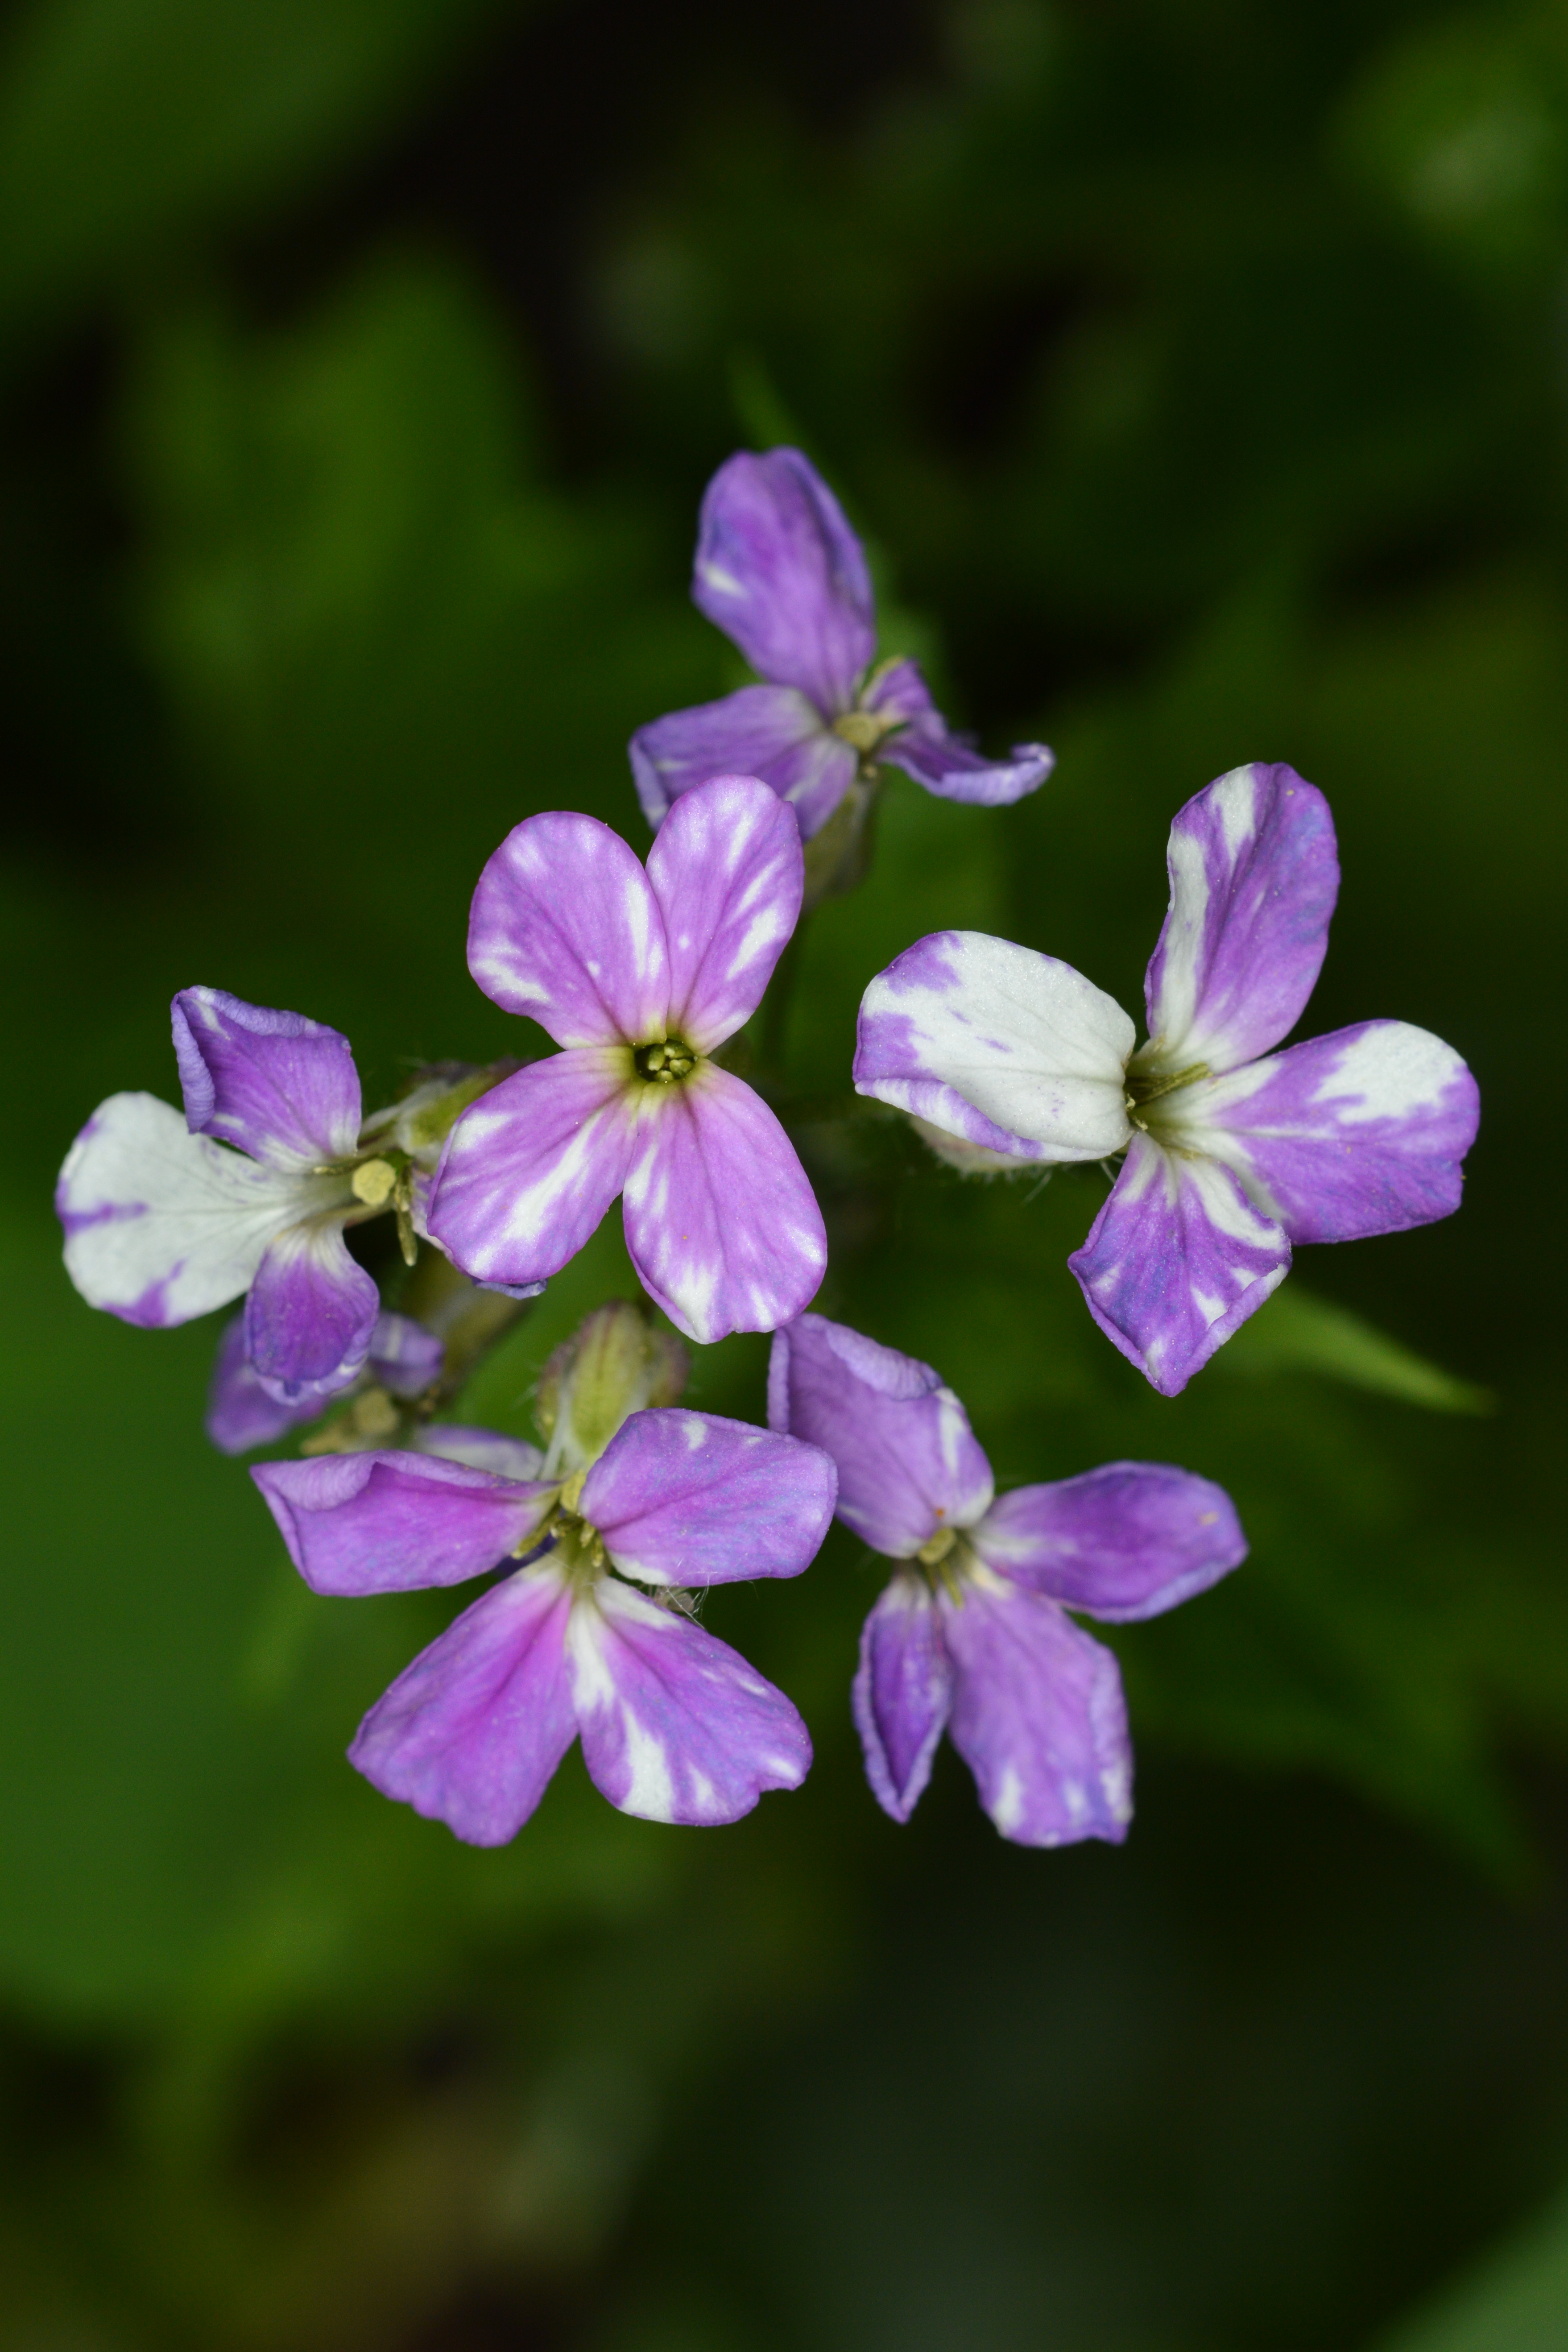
<point x="481" y="1449"/>
<point x="941" y="761"/>
<point x="403" y="1356"/>
<point x="676" y="1726"/>
<point x="772" y="731"/>
<point x="728" y="871"/>
<point x="395" y="1522"/>
<point x="689" y="1498"/>
<point x="1177" y="1260"/>
<point x="240" y="1414"/>
<point x="1123" y="1542"/>
<point x="902" y="1694"/>
<point x="161" y="1224"/>
<point x="1038" y="1716"/>
<point x="722" y="1226"/>
<point x="529" y="1172"/>
<point x="471" y="1733"/>
<point x="1005" y="1047"/>
<point x="1361" y="1133"/>
<point x="779" y="570"/>
<point x="566" y="929"/>
<point x="284" y="1089"/>
<point x="908" y="1464"/>
<point x="310" y="1313"/>
<point x="1254" y="877"/>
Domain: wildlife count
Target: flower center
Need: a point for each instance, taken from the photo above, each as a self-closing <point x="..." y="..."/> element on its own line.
<point x="665" y="1062"/>
<point x="945" y="1558"/>
<point x="1145" y="1088"/>
<point x="864" y="730"/>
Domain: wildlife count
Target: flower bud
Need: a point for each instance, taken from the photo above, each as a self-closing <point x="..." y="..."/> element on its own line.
<point x="614" y="1364"/>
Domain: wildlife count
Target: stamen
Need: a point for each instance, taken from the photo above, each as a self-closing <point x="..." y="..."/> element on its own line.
<point x="1143" y="1087"/>
<point x="373" y="1182"/>
<point x="665" y="1062"/>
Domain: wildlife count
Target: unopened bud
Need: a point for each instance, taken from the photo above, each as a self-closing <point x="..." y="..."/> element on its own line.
<point x="616" y="1363"/>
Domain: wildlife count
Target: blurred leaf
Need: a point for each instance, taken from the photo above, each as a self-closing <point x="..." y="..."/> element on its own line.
<point x="1516" y="2301"/>
<point x="126" y="124"/>
<point x="1295" y="1332"/>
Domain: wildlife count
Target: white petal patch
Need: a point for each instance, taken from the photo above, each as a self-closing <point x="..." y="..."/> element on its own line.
<point x="1388" y="1072"/>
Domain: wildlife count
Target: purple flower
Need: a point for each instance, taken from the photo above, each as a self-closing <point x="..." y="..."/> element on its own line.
<point x="971" y="1636"/>
<point x="402" y="1359"/>
<point x="1234" y="1153"/>
<point x="675" y="1725"/>
<point x="639" y="976"/>
<point x="779" y="570"/>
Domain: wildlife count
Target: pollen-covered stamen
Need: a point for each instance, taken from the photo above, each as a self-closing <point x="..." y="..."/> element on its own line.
<point x="1146" y="1086"/>
<point x="665" y="1062"/>
<point x="373" y="1181"/>
<point x="579" y="1548"/>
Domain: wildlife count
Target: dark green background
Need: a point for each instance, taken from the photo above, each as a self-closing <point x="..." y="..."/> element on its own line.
<point x="1196" y="372"/>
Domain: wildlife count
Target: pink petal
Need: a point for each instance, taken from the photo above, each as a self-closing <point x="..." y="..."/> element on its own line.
<point x="1125" y="1541"/>
<point x="728" y="872"/>
<point x="779" y="570"/>
<point x="772" y="731"/>
<point x="566" y="929"/>
<point x="282" y="1088"/>
<point x="398" y="1521"/>
<point x="902" y="1694"/>
<point x="689" y="1498"/>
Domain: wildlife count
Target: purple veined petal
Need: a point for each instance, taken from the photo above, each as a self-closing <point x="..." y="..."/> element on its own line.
<point x="240" y="1416"/>
<point x="471" y="1733"/>
<point x="1177" y="1260"/>
<point x="729" y="872"/>
<point x="722" y="1226"/>
<point x="398" y="1522"/>
<point x="479" y="1449"/>
<point x="1126" y="1541"/>
<point x="1254" y="877"/>
<point x="1361" y="1132"/>
<point x="529" y="1172"/>
<point x="998" y="1044"/>
<point x="310" y="1314"/>
<point x="1038" y="1716"/>
<point x="676" y="1726"/>
<point x="566" y="929"/>
<point x="902" y="1694"/>
<point x="941" y="760"/>
<point x="908" y="1464"/>
<point x="772" y="731"/>
<point x="161" y="1224"/>
<point x="691" y="1499"/>
<point x="779" y="570"/>
<point x="403" y="1356"/>
<point x="285" y="1090"/>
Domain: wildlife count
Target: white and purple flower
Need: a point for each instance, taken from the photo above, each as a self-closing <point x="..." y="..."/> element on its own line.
<point x="164" y="1220"/>
<point x="1234" y="1153"/>
<point x="675" y="1725"/>
<point x="779" y="570"/>
<point x="971" y="1636"/>
<point x="639" y="976"/>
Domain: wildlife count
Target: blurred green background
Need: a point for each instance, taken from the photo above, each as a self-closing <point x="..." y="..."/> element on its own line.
<point x="1196" y="371"/>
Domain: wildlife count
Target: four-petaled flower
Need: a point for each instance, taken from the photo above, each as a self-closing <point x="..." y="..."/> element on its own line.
<point x="676" y="1727"/>
<point x="1234" y="1152"/>
<point x="163" y="1221"/>
<point x="779" y="570"/>
<point x="639" y="976"/>
<point x="973" y="1635"/>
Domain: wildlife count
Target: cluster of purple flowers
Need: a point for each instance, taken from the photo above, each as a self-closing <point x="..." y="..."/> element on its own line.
<point x="1003" y="1058"/>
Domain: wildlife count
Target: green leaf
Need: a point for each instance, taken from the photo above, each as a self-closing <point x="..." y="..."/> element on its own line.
<point x="1517" y="2300"/>
<point x="1298" y="1333"/>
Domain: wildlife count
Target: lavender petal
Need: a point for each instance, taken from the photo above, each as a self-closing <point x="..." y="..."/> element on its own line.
<point x="1363" y="1131"/>
<point x="1254" y="877"/>
<point x="310" y="1314"/>
<point x="1177" y="1260"/>
<point x="908" y="1464"/>
<point x="1006" y="1048"/>
<point x="779" y="570"/>
<point x="283" y="1088"/>
<point x="1126" y="1541"/>
<point x="399" y="1521"/>
<point x="471" y="1733"/>
<point x="676" y="1726"/>
<point x="566" y="929"/>
<point x="529" y="1172"/>
<point x="902" y="1694"/>
<point x="691" y="1499"/>
<point x="722" y="1226"/>
<point x="240" y="1416"/>
<point x="772" y="731"/>
<point x="1038" y="1716"/>
<point x="941" y="761"/>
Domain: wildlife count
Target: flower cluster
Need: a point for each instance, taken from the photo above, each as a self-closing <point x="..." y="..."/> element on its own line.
<point x="601" y="1539"/>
